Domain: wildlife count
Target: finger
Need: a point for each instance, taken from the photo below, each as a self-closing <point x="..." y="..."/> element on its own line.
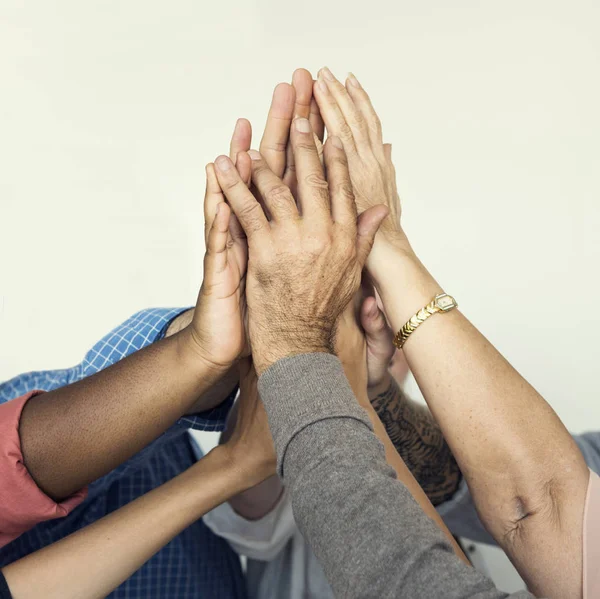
<point x="277" y="196"/>
<point x="302" y="82"/>
<point x="343" y="206"/>
<point x="216" y="246"/>
<point x="316" y="120"/>
<point x="241" y="141"/>
<point x="277" y="129"/>
<point x="363" y="104"/>
<point x="351" y="114"/>
<point x="367" y="227"/>
<point x="313" y="190"/>
<point x="212" y="197"/>
<point x="333" y="117"/>
<point x="243" y="203"/>
<point x="377" y="331"/>
<point x="387" y="151"/>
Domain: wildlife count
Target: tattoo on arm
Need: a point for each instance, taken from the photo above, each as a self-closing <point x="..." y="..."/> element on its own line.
<point x="420" y="443"/>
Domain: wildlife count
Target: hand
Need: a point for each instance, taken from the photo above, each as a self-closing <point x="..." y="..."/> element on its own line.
<point x="349" y="115"/>
<point x="383" y="360"/>
<point x="288" y="102"/>
<point x="303" y="270"/>
<point x="250" y="443"/>
<point x="217" y="327"/>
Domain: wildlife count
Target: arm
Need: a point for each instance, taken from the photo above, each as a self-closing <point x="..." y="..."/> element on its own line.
<point x="92" y="562"/>
<point x="525" y="472"/>
<point x="419" y="442"/>
<point x="303" y="272"/>
<point x="75" y="434"/>
<point x="352" y="349"/>
<point x="369" y="534"/>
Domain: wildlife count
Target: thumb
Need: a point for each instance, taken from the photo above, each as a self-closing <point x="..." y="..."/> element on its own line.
<point x="367" y="226"/>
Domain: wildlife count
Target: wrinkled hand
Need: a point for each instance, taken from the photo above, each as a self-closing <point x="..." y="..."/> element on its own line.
<point x="349" y="115"/>
<point x="305" y="264"/>
<point x="250" y="443"/>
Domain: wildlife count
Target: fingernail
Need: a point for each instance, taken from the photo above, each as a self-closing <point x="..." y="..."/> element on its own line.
<point x="323" y="86"/>
<point x="328" y="74"/>
<point x="353" y="80"/>
<point x="254" y="155"/>
<point x="302" y="125"/>
<point x="336" y="142"/>
<point x="223" y="163"/>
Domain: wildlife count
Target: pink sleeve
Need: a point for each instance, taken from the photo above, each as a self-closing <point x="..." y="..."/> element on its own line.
<point x="23" y="504"/>
<point x="591" y="540"/>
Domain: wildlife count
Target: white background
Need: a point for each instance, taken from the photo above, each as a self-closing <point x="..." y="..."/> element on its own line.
<point x="109" y="111"/>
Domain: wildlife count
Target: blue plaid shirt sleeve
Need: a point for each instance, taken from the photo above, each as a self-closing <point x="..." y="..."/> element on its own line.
<point x="138" y="331"/>
<point x="142" y="329"/>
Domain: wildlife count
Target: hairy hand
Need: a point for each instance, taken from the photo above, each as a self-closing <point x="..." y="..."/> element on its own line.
<point x="305" y="263"/>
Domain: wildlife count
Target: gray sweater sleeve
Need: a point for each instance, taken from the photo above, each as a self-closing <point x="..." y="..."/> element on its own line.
<point x="371" y="537"/>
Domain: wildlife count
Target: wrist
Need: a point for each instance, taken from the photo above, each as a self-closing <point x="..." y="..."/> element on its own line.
<point x="380" y="387"/>
<point x="402" y="282"/>
<point x="279" y="344"/>
<point x="197" y="360"/>
<point x="247" y="468"/>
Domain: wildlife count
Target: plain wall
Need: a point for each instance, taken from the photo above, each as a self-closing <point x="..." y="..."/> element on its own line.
<point x="109" y="111"/>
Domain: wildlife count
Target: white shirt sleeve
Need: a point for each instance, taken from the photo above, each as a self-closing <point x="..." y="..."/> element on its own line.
<point x="260" y="539"/>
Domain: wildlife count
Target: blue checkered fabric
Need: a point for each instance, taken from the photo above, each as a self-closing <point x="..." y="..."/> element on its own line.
<point x="195" y="565"/>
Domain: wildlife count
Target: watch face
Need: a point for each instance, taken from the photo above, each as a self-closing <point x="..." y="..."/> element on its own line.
<point x="445" y="302"/>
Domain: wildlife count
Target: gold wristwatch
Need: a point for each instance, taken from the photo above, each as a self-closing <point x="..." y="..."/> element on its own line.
<point x="440" y="303"/>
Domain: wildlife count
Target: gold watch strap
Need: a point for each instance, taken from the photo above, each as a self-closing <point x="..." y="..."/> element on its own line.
<point x="440" y="303"/>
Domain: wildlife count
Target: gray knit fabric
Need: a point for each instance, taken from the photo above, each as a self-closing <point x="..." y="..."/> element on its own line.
<point x="371" y="537"/>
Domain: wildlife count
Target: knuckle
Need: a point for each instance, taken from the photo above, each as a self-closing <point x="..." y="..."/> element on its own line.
<point x="249" y="213"/>
<point x="279" y="191"/>
<point x="305" y="146"/>
<point x="279" y="198"/>
<point x="344" y="191"/>
<point x="316" y="180"/>
<point x="345" y="132"/>
<point x="273" y="146"/>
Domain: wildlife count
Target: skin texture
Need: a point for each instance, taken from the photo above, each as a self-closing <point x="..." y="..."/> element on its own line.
<point x="306" y="263"/>
<point x="292" y="254"/>
<point x="92" y="562"/>
<point x="351" y="348"/>
<point x="525" y="473"/>
<point x="76" y="434"/>
<point x="415" y="434"/>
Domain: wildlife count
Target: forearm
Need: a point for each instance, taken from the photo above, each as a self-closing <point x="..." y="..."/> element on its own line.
<point x="417" y="438"/>
<point x="403" y="473"/>
<point x="520" y="462"/>
<point x="365" y="527"/>
<point x="91" y="563"/>
<point x="75" y="434"/>
<point x="255" y="502"/>
<point x="223" y="388"/>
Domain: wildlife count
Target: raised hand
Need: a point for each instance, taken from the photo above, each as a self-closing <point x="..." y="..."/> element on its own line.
<point x="289" y="102"/>
<point x="349" y="115"/>
<point x="305" y="264"/>
<point x="217" y="328"/>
